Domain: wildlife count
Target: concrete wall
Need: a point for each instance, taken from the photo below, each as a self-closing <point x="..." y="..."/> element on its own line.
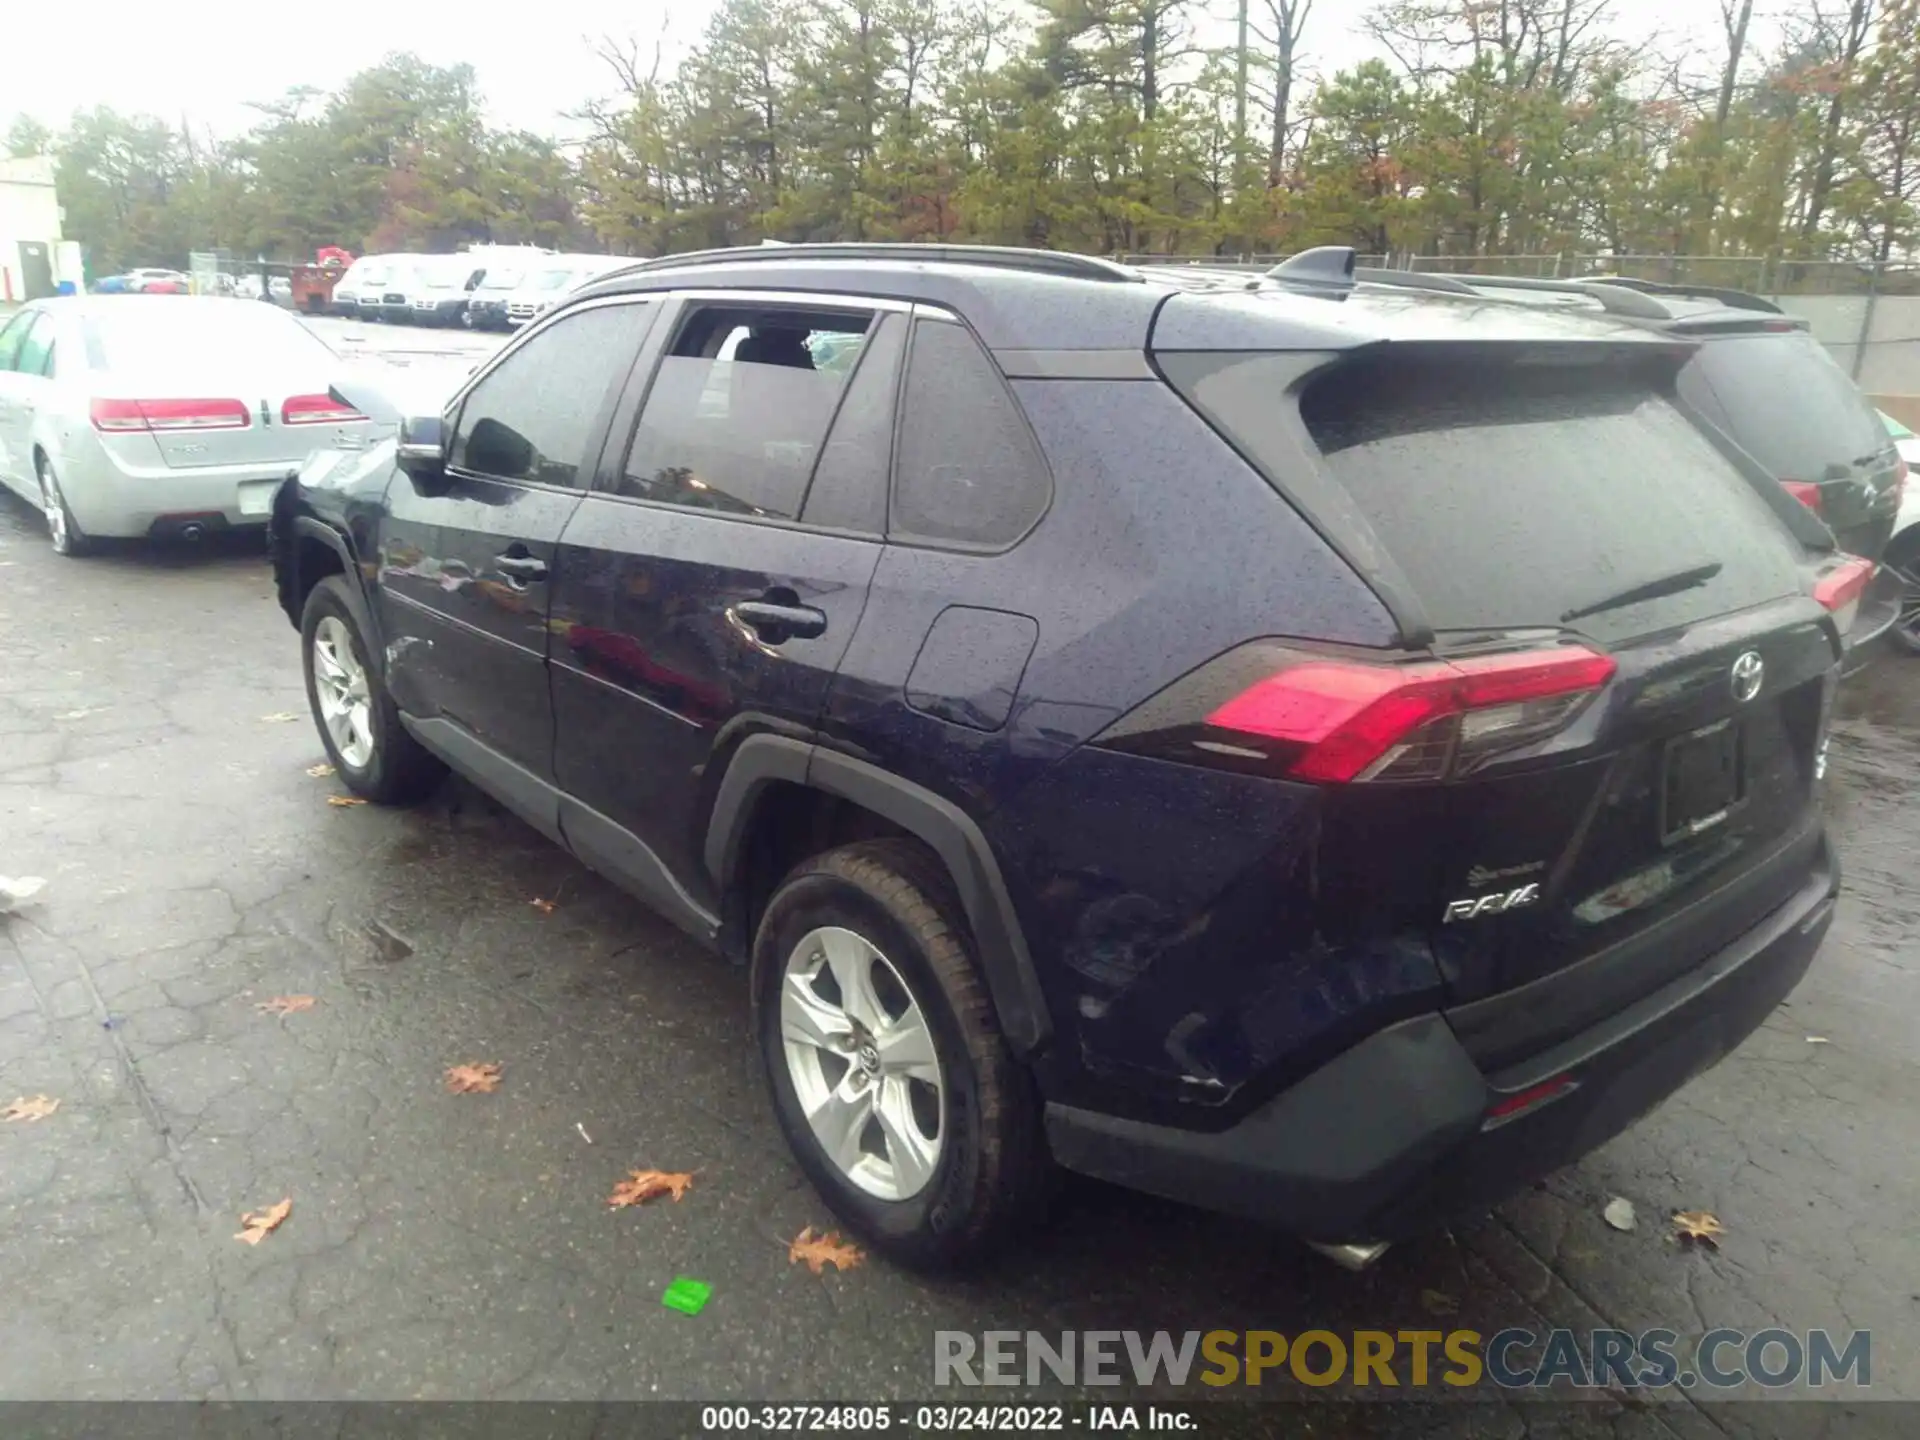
<point x="29" y="210"/>
<point x="1887" y="364"/>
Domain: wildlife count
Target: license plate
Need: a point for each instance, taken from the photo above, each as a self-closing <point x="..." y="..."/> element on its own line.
<point x="1702" y="780"/>
<point x="256" y="496"/>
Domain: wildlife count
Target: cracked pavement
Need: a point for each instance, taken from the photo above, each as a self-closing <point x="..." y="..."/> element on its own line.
<point x="460" y="1246"/>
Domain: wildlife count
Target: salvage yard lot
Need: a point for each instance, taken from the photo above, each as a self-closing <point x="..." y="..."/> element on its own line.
<point x="155" y="759"/>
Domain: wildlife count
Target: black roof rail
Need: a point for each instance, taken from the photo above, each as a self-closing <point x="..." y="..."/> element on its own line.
<point x="1324" y="267"/>
<point x="1003" y="257"/>
<point x="1736" y="299"/>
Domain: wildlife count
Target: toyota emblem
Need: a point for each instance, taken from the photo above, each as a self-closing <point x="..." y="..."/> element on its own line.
<point x="1748" y="673"/>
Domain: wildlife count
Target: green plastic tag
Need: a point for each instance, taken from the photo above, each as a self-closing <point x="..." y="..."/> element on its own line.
<point x="689" y="1297"/>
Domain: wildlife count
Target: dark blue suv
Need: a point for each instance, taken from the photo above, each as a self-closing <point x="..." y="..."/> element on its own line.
<point x="1326" y="751"/>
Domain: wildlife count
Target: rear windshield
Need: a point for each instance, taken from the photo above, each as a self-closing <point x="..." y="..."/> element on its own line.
<point x="1787" y="404"/>
<point x="1513" y="494"/>
<point x="235" y="333"/>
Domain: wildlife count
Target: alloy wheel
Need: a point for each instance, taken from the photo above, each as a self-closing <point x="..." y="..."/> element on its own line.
<point x="1909" y="622"/>
<point x="340" y="686"/>
<point x="861" y="1057"/>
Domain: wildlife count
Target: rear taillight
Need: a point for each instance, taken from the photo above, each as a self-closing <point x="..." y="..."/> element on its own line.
<point x="1337" y="720"/>
<point x="1807" y="494"/>
<point x="317" y="410"/>
<point x="112" y="416"/>
<point x="1840" y="589"/>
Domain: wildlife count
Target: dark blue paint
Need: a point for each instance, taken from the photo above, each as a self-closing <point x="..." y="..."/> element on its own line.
<point x="970" y="664"/>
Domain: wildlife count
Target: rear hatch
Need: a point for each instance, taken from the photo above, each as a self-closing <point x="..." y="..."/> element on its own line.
<point x="1604" y="736"/>
<point x="1779" y="394"/>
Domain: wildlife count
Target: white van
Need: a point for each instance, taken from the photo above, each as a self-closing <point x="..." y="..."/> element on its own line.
<point x="367" y="273"/>
<point x="546" y="286"/>
<point x="438" y="292"/>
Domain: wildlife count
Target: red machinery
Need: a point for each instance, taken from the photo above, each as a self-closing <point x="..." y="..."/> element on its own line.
<point x="313" y="284"/>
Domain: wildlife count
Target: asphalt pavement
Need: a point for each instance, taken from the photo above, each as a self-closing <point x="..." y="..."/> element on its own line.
<point x="155" y="768"/>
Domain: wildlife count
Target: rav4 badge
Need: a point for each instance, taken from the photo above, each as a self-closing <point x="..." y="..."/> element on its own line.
<point x="1497" y="903"/>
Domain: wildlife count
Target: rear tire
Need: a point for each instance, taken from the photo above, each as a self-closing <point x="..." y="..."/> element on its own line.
<point x="359" y="723"/>
<point x="950" y="1160"/>
<point x="62" y="529"/>
<point x="1903" y="557"/>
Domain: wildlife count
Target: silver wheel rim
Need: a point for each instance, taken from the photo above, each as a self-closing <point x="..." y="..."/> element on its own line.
<point x="340" y="687"/>
<point x="862" y="1062"/>
<point x="56" y="513"/>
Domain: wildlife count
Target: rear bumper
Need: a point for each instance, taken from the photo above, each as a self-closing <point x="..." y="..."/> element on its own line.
<point x="110" y="502"/>
<point x="1390" y="1139"/>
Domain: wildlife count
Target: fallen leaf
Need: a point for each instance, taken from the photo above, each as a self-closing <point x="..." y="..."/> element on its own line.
<point x="1818" y="1040"/>
<point x="286" y="1004"/>
<point x="279" y="717"/>
<point x="1619" y="1213"/>
<point x="643" y="1185"/>
<point x="1438" y="1302"/>
<point x="821" y="1250"/>
<point x="18" y="890"/>
<point x="477" y="1077"/>
<point x="38" y="1108"/>
<point x="545" y="907"/>
<point x="320" y="771"/>
<point x="342" y="801"/>
<point x="1698" y="1225"/>
<point x="262" y="1223"/>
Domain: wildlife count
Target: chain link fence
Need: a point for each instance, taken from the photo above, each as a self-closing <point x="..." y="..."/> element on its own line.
<point x="1867" y="314"/>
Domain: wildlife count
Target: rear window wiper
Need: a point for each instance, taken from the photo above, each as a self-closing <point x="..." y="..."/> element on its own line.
<point x="1649" y="590"/>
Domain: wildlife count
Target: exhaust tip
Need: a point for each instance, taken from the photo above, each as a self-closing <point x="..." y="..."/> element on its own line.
<point x="1355" y="1256"/>
<point x="193" y="533"/>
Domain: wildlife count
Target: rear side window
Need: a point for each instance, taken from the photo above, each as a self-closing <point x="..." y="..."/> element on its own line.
<point x="969" y="471"/>
<point x="1515" y="494"/>
<point x="530" y="418"/>
<point x="1786" y="403"/>
<point x="35" y="356"/>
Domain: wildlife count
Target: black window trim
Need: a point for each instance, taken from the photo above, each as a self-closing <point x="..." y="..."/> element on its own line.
<point x="940" y="315"/>
<point x="596" y="431"/>
<point x="620" y="433"/>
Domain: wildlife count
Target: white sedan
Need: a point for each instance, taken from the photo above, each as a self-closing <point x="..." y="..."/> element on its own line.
<point x="151" y="417"/>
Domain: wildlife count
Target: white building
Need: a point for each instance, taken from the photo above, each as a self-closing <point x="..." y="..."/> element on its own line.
<point x="33" y="258"/>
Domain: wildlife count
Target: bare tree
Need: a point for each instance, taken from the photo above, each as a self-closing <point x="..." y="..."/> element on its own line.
<point x="1288" y="19"/>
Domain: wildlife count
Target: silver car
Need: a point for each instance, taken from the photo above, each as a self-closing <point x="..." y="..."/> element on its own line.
<point x="147" y="417"/>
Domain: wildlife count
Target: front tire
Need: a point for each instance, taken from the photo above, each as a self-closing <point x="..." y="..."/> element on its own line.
<point x="359" y="723"/>
<point x="888" y="1072"/>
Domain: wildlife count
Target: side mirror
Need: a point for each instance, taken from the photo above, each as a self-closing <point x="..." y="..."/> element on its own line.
<point x="421" y="452"/>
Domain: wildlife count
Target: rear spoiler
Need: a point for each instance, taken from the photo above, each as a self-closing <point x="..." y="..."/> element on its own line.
<point x="368" y="399"/>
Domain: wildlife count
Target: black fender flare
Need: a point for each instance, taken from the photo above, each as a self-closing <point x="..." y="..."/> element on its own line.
<point x="309" y="527"/>
<point x="946" y="829"/>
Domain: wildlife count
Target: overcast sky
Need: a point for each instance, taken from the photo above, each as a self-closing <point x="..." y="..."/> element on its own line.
<point x="205" y="63"/>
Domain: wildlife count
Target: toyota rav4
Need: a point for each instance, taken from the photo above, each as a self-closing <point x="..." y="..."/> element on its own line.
<point x="1322" y="750"/>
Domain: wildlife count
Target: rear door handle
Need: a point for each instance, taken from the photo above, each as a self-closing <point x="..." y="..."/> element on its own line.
<point x="523" y="568"/>
<point x="774" y="622"/>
